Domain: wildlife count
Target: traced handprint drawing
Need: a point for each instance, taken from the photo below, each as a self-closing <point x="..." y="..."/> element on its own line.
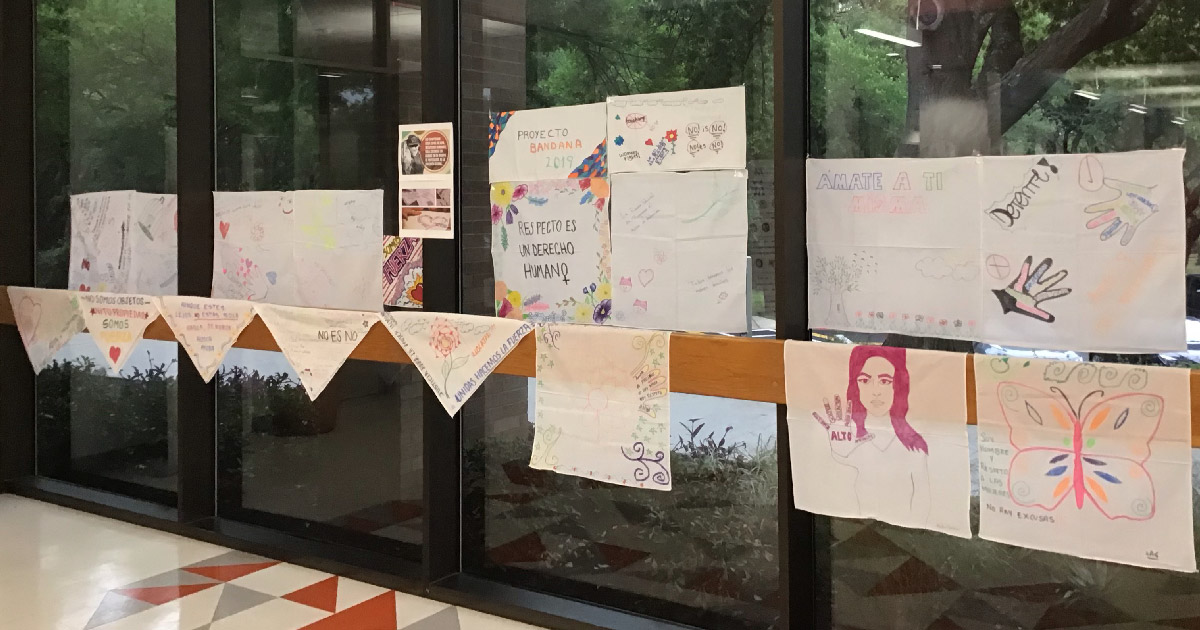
<point x="1028" y="290"/>
<point x="1129" y="207"/>
<point x="872" y="434"/>
<point x="1127" y="210"/>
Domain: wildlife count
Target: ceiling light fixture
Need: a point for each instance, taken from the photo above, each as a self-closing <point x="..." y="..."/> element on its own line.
<point x="889" y="38"/>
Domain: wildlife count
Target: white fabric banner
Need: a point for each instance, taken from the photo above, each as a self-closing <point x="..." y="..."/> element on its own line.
<point x="47" y="319"/>
<point x="678" y="131"/>
<point x="116" y="322"/>
<point x="455" y="353"/>
<point x="337" y="257"/>
<point x="1088" y="459"/>
<point x="679" y="250"/>
<point x="551" y="143"/>
<point x="315" y="341"/>
<point x="603" y="404"/>
<point x="206" y="328"/>
<point x="881" y="433"/>
<point x="123" y="242"/>
<point x="551" y="249"/>
<point x="1073" y="252"/>
<point x="315" y="248"/>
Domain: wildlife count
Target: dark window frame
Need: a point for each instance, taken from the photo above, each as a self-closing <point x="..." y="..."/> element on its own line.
<point x="803" y="538"/>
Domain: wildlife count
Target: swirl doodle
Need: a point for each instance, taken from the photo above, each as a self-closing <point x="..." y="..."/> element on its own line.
<point x="643" y="472"/>
<point x="648" y="344"/>
<point x="544" y="442"/>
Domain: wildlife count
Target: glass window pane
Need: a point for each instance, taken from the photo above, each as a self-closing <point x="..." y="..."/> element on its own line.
<point x="999" y="78"/>
<point x="105" y="120"/>
<point x="705" y="553"/>
<point x="309" y="94"/>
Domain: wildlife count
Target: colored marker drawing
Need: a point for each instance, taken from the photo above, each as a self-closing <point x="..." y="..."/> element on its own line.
<point x="872" y="435"/>
<point x="1093" y="450"/>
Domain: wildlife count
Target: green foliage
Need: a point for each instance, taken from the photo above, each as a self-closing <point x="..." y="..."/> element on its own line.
<point x="583" y="52"/>
<point x="105" y="109"/>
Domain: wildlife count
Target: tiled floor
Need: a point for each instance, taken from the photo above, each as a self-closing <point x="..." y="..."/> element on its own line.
<point x="67" y="570"/>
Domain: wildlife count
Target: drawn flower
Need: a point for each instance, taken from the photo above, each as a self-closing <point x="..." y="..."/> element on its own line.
<point x="604" y="291"/>
<point x="502" y="194"/>
<point x="619" y="140"/>
<point x="443" y="337"/>
<point x="496" y="214"/>
<point x="603" y="310"/>
<point x="672" y="136"/>
<point x="510" y="213"/>
<point x="583" y="312"/>
<point x="519" y="192"/>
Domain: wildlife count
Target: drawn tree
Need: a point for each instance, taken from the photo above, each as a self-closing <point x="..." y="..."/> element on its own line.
<point x="838" y="276"/>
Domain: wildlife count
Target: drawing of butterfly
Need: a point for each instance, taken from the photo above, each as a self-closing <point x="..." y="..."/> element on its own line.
<point x="1095" y="452"/>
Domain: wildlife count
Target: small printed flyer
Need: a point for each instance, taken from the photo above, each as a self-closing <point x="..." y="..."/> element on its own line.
<point x="427" y="181"/>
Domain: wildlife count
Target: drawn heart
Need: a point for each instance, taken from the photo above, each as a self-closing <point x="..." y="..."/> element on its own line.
<point x="87" y="264"/>
<point x="30" y="313"/>
<point x="224" y="225"/>
<point x="271" y="277"/>
<point x="649" y="142"/>
<point x="85" y="288"/>
<point x="114" y="353"/>
<point x="646" y="276"/>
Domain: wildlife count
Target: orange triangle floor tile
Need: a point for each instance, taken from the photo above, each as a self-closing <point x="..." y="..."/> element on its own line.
<point x="377" y="613"/>
<point x="162" y="594"/>
<point x="229" y="572"/>
<point x="322" y="595"/>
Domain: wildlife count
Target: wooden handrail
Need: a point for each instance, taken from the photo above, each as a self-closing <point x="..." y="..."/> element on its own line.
<point x="709" y="365"/>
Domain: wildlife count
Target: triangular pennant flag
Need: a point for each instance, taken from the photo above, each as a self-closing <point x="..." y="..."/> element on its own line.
<point x="46" y="319"/>
<point x="205" y="327"/>
<point x="455" y="353"/>
<point x="315" y="341"/>
<point x="116" y="322"/>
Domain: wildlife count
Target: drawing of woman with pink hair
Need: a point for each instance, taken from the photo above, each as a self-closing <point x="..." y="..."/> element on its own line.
<point x="872" y="436"/>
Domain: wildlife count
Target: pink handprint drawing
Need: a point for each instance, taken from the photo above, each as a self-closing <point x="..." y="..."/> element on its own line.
<point x="872" y="434"/>
<point x="1025" y="294"/>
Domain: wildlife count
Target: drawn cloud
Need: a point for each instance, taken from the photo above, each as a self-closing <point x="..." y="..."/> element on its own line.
<point x="937" y="268"/>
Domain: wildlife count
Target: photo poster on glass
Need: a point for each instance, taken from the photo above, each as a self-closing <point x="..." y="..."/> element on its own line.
<point x="879" y="432"/>
<point x="552" y="143"/>
<point x="1074" y="252"/>
<point x="1088" y="459"/>
<point x="551" y="250"/>
<point x="337" y="253"/>
<point x="403" y="272"/>
<point x="679" y="250"/>
<point x="426" y="178"/>
<point x="603" y="404"/>
<point x="254" y="239"/>
<point x="678" y="131"/>
<point x="123" y="242"/>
